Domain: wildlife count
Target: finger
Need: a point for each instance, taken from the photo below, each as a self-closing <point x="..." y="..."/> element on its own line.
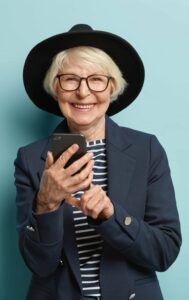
<point x="49" y="161"/>
<point x="97" y="210"/>
<point x="76" y="181"/>
<point x="83" y="174"/>
<point x="72" y="201"/>
<point x="66" y="155"/>
<point x="81" y="186"/>
<point x="92" y="197"/>
<point x="94" y="191"/>
<point x="94" y="206"/>
<point x="79" y="164"/>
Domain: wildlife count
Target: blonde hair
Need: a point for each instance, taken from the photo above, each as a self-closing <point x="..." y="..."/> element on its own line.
<point x="89" y="56"/>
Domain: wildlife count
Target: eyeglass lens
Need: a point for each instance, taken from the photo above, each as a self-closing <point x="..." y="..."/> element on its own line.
<point x="70" y="82"/>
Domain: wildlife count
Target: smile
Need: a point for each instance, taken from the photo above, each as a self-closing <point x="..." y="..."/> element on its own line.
<point x="83" y="106"/>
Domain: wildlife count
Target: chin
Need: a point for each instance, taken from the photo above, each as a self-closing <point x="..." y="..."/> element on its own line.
<point x="82" y="121"/>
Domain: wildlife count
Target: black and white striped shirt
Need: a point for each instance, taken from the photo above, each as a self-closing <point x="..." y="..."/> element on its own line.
<point x="89" y="242"/>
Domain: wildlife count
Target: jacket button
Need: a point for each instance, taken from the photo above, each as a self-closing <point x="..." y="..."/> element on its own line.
<point x="30" y="228"/>
<point x="132" y="296"/>
<point x="61" y="262"/>
<point x="127" y="222"/>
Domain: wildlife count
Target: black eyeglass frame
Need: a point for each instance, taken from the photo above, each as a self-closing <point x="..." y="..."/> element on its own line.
<point x="86" y="79"/>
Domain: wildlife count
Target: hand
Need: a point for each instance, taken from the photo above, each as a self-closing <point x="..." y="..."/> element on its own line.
<point x="94" y="203"/>
<point x="58" y="183"/>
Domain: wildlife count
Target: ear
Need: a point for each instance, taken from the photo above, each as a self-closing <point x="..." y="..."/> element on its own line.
<point x="112" y="88"/>
<point x="55" y="97"/>
<point x="56" y="91"/>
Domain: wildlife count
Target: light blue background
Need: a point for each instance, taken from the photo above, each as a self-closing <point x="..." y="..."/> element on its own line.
<point x="159" y="31"/>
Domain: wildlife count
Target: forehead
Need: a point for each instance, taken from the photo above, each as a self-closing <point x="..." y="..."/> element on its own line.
<point x="74" y="66"/>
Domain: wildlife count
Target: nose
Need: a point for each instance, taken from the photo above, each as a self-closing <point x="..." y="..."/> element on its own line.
<point x="83" y="90"/>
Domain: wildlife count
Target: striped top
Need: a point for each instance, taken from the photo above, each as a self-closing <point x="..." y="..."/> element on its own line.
<point x="89" y="242"/>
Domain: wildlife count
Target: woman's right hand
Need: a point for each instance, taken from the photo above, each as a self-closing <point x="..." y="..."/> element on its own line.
<point x="58" y="183"/>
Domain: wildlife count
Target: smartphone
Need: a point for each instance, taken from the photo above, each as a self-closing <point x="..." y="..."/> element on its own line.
<point x="60" y="142"/>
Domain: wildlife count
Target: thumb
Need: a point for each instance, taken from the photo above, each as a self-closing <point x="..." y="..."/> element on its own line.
<point x="91" y="185"/>
<point x="49" y="161"/>
<point x="72" y="201"/>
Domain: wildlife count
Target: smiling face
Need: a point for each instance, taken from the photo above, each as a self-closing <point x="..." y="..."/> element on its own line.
<point x="83" y="108"/>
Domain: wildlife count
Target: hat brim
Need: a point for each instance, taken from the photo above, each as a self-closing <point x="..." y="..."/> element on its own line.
<point x="124" y="55"/>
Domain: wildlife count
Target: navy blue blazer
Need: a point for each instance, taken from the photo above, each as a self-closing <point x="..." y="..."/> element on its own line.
<point x="142" y="237"/>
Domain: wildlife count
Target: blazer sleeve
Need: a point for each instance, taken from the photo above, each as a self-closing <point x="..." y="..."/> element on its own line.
<point x="154" y="241"/>
<point x="40" y="236"/>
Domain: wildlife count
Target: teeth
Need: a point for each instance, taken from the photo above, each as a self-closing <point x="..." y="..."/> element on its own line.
<point x="86" y="106"/>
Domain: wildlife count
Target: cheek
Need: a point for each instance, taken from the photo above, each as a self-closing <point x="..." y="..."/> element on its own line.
<point x="107" y="98"/>
<point x="62" y="103"/>
<point x="62" y="98"/>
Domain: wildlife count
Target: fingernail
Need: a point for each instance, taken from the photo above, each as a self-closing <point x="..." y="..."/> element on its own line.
<point x="75" y="146"/>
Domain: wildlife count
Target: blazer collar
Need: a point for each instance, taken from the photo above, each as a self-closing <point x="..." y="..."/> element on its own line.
<point x="114" y="135"/>
<point x="120" y="163"/>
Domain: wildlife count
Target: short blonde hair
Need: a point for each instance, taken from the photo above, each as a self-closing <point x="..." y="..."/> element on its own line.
<point x="89" y="56"/>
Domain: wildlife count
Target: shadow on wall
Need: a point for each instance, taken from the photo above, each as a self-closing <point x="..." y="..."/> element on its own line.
<point x="26" y="126"/>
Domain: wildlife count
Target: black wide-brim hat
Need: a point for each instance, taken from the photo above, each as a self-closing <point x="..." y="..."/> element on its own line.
<point x="124" y="55"/>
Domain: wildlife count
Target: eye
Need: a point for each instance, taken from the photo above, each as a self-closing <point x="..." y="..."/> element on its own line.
<point x="96" y="78"/>
<point x="70" y="78"/>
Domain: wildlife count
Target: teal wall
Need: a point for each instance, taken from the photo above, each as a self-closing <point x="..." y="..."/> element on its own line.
<point x="159" y="31"/>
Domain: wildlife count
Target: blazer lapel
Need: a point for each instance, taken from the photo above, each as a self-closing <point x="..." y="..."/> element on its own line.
<point x="120" y="165"/>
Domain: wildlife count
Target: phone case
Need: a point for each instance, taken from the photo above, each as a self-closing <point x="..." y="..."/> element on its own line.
<point x="60" y="142"/>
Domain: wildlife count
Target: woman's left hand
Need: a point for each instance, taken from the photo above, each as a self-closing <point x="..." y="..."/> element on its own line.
<point x="94" y="203"/>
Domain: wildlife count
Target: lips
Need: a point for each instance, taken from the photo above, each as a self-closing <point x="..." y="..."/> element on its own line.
<point x="83" y="106"/>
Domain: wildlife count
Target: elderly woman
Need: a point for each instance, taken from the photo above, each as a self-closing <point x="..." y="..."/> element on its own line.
<point x="101" y="227"/>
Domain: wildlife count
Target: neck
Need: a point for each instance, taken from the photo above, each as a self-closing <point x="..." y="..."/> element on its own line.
<point x="91" y="133"/>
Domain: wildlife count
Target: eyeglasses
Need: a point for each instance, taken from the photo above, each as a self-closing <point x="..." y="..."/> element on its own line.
<point x="95" y="83"/>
